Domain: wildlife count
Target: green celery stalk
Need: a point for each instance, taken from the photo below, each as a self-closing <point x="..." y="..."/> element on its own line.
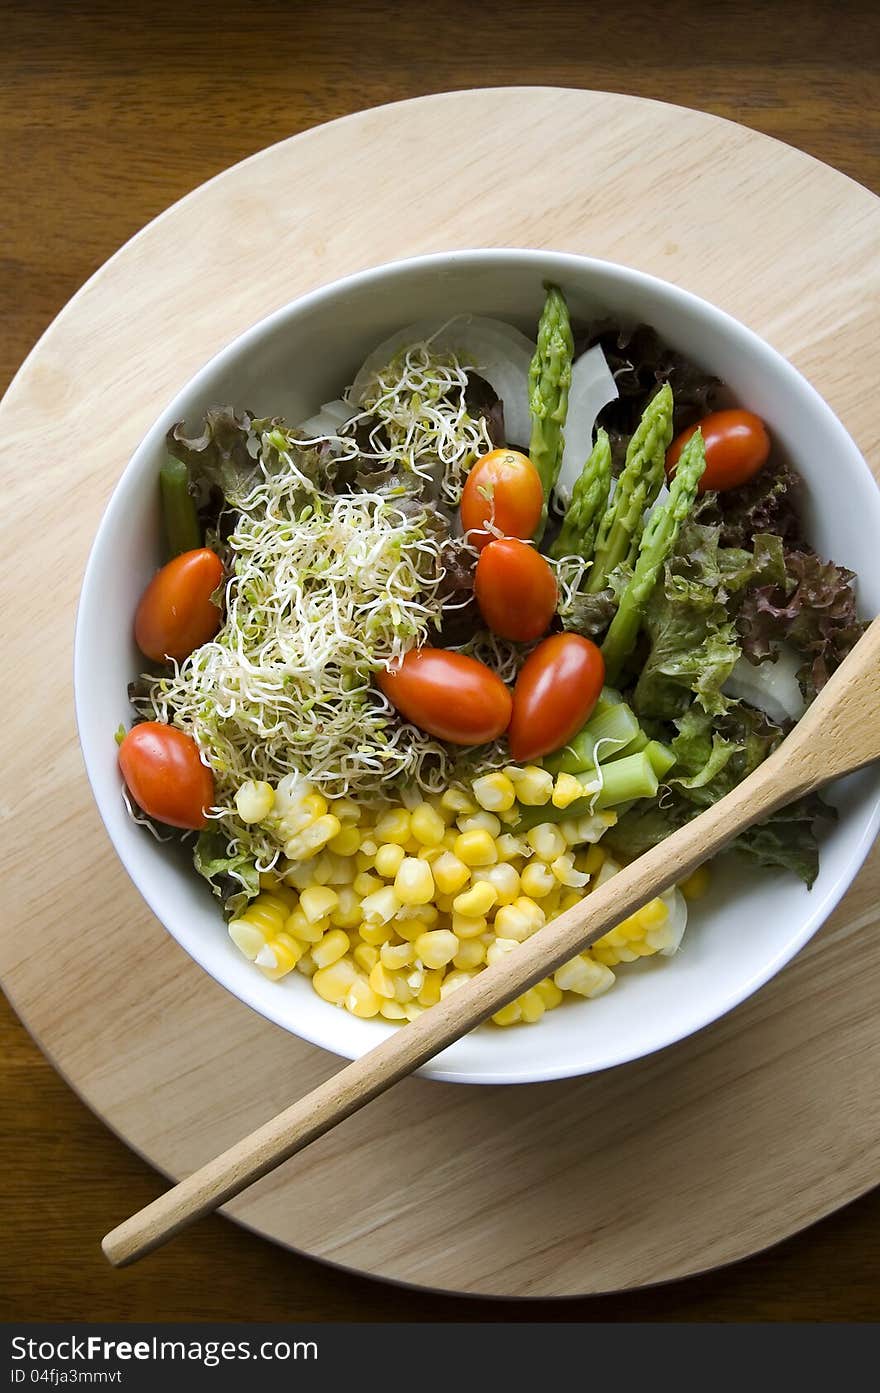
<point x="661" y="757"/>
<point x="626" y="779"/>
<point x="617" y="723"/>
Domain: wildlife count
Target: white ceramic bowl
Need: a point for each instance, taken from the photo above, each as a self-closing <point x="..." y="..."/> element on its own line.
<point x="753" y="922"/>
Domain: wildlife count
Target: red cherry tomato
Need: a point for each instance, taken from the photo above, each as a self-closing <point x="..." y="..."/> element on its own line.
<point x="504" y="488"/>
<point x="448" y="695"/>
<point x="737" y="446"/>
<point x="515" y="589"/>
<point x="557" y="688"/>
<point x="163" y="773"/>
<point x="176" y="615"/>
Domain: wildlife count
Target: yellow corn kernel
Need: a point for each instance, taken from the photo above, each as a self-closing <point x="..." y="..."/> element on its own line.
<point x="429" y="994"/>
<point x="468" y="926"/>
<point x="334" y="982"/>
<point x="403" y="992"/>
<point x="503" y="879"/>
<point x="394" y="956"/>
<point x="306" y="930"/>
<point x="333" y="946"/>
<point x="476" y="901"/>
<point x="471" y="953"/>
<point x="308" y="842"/>
<point x="550" y="993"/>
<point x="480" y="822"/>
<point x="584" y="976"/>
<point x="538" y="879"/>
<point x="510" y="847"/>
<point x="431" y="853"/>
<point x="318" y="902"/>
<point x="533" y="912"/>
<point x="254" y="800"/>
<point x="532" y="1006"/>
<point x="388" y="859"/>
<point x="568" y="900"/>
<point x="280" y="956"/>
<point x="652" y="915"/>
<point x="412" y="1010"/>
<point x="453" y="980"/>
<point x="407" y="929"/>
<point x="347" y="810"/>
<point x="381" y="906"/>
<point x="392" y="1011"/>
<point x="265" y="913"/>
<point x="393" y="826"/>
<point x="307" y="965"/>
<point x="694" y="886"/>
<point x="509" y="1014"/>
<point x="381" y="981"/>
<point x="347" y="914"/>
<point x="450" y="873"/>
<point x="476" y="848"/>
<point x="362" y="1000"/>
<point x="443" y="903"/>
<point x="437" y="947"/>
<point x="414" y="883"/>
<point x="566" y="790"/>
<point x="546" y="841"/>
<point x="366" y="956"/>
<point x="315" y="804"/>
<point x="425" y="914"/>
<point x="534" y="785"/>
<point x="411" y="847"/>
<point x="511" y="923"/>
<point x="247" y="938"/>
<point x="565" y="873"/>
<point x="376" y="934"/>
<point x="593" y="860"/>
<point x="494" y="792"/>
<point x="427" y="825"/>
<point x="346" y="842"/>
<point x="499" y="949"/>
<point x="456" y="801"/>
<point x="366" y="884"/>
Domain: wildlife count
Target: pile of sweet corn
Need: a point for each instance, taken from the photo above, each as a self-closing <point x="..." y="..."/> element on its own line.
<point x="387" y="911"/>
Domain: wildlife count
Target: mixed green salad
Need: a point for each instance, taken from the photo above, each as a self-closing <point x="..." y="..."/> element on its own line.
<point x="432" y="664"/>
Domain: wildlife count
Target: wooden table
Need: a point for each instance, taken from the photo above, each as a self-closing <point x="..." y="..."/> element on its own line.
<point x="105" y="120"/>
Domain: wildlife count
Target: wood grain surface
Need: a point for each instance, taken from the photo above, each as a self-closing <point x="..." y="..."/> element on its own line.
<point x="103" y="123"/>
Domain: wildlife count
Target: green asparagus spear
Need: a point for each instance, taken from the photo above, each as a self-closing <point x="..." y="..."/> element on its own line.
<point x="182" y="530"/>
<point x="640" y="481"/>
<point x="589" y="500"/>
<point x="657" y="543"/>
<point x="549" y="381"/>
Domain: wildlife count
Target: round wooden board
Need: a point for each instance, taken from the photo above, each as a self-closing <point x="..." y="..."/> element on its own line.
<point x="700" y="1155"/>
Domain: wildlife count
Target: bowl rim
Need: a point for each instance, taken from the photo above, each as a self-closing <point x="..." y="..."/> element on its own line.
<point x="613" y="273"/>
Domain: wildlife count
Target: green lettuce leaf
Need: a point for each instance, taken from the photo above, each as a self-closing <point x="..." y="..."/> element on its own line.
<point x="689" y="620"/>
<point x="713" y="755"/>
<point x="233" y="879"/>
<point x="812" y="608"/>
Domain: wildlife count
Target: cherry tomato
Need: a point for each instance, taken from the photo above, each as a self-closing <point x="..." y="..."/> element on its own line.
<point x="737" y="446"/>
<point x="176" y="615"/>
<point x="164" y="775"/>
<point x="504" y="488"/>
<point x="448" y="695"/>
<point x="515" y="589"/>
<point x="558" y="686"/>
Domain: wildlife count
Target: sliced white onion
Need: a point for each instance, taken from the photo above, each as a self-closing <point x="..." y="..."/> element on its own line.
<point x="772" y="687"/>
<point x="497" y="350"/>
<point x="592" y="387"/>
<point x="676" y="903"/>
<point x="327" y="421"/>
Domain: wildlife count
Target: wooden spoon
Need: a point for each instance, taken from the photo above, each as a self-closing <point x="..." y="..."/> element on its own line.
<point x="838" y="734"/>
